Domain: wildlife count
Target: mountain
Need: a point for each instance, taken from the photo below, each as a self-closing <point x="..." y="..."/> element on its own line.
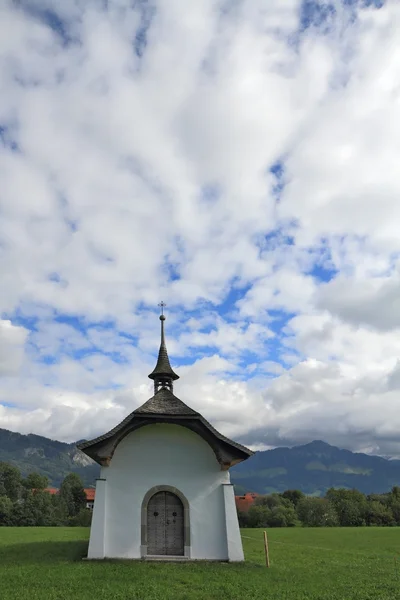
<point x="48" y="457"/>
<point x="312" y="468"/>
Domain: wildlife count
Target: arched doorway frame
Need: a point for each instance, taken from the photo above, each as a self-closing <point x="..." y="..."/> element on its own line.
<point x="186" y="517"/>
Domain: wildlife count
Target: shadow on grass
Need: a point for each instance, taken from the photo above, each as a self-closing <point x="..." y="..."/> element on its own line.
<point x="43" y="552"/>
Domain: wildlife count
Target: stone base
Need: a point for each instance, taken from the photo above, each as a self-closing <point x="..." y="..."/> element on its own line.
<point x="163" y="559"/>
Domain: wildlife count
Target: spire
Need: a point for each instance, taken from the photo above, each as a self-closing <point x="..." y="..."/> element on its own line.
<point x="163" y="375"/>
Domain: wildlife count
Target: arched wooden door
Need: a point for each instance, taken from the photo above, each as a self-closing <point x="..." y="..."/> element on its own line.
<point x="165" y="525"/>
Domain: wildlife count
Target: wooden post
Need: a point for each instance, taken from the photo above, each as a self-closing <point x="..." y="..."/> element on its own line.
<point x="266" y="549"/>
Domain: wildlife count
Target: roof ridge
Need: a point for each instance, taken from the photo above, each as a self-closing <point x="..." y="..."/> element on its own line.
<point x="164" y="401"/>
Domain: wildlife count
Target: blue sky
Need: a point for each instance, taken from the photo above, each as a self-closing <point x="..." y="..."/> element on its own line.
<point x="238" y="162"/>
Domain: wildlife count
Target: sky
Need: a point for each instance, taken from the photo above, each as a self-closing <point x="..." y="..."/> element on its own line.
<point x="237" y="160"/>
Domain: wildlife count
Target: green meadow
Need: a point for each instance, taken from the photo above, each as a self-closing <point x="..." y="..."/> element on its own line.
<point x="306" y="564"/>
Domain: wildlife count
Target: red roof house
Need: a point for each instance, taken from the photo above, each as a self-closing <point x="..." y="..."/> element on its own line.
<point x="243" y="503"/>
<point x="90" y="493"/>
<point x="52" y="491"/>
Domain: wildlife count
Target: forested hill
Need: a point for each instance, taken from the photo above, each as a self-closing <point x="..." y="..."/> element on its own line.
<point x="48" y="457"/>
<point x="312" y="468"/>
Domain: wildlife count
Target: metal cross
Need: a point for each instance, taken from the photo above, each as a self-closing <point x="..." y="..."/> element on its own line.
<point x="162" y="305"/>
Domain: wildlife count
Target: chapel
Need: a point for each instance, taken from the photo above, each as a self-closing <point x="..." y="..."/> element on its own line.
<point x="164" y="490"/>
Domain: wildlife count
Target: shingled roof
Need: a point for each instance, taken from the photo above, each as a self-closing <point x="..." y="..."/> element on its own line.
<point x="165" y="403"/>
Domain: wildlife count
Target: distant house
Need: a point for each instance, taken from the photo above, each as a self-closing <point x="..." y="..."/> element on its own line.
<point x="89" y="492"/>
<point x="243" y="503"/>
<point x="52" y="491"/>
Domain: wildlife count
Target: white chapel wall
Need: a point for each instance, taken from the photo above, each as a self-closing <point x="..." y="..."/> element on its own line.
<point x="163" y="454"/>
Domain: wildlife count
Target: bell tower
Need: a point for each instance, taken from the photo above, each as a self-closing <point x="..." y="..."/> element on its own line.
<point x="163" y="375"/>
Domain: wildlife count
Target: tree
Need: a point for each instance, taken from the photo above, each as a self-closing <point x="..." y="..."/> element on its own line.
<point x="60" y="510"/>
<point x="35" y="510"/>
<point x="293" y="495"/>
<point x="317" y="512"/>
<point x="73" y="493"/>
<point x="35" y="481"/>
<point x="351" y="514"/>
<point x="269" y="500"/>
<point x="272" y="511"/>
<point x="10" y="481"/>
<point x="395" y="508"/>
<point x="379" y="514"/>
<point x="243" y="518"/>
<point x="82" y="519"/>
<point x="6" y="507"/>
<point x="282" y="516"/>
<point x="258" y="516"/>
<point x="24" y="502"/>
<point x="350" y="506"/>
<point x="395" y="492"/>
<point x="394" y="503"/>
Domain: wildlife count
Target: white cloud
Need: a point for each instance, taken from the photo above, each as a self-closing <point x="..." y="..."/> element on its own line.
<point x="127" y="179"/>
<point x="342" y="171"/>
<point x="12" y="340"/>
<point x="373" y="301"/>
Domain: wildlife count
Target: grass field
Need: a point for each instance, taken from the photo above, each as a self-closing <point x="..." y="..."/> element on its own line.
<point x="306" y="564"/>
